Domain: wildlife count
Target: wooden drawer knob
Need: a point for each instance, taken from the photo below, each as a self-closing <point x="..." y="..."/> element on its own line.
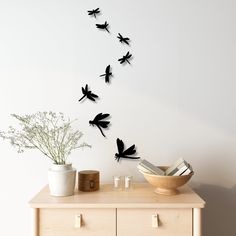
<point x="78" y="220"/>
<point x="155" y="221"/>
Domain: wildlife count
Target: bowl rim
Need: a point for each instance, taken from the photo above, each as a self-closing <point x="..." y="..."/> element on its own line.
<point x="167" y="176"/>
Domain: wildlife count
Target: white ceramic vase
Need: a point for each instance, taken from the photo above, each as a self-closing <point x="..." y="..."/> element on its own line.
<point x="61" y="180"/>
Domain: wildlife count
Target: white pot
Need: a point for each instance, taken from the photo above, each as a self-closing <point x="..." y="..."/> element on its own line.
<point x="61" y="180"/>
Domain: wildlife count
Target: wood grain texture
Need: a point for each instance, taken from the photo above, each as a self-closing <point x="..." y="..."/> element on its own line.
<point x="61" y="222"/>
<point x="172" y="222"/>
<point x="142" y="196"/>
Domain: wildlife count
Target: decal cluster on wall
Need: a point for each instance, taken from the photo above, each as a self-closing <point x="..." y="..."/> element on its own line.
<point x="100" y="120"/>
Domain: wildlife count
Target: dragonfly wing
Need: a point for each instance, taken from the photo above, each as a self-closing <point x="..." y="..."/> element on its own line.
<point x="129" y="56"/>
<point x="107" y="79"/>
<point x="103" y="124"/>
<point x="108" y="69"/>
<point x="119" y="37"/>
<point x="130" y="151"/>
<point x="126" y="40"/>
<point x="94" y="95"/>
<point x="120" y="145"/>
<point x="121" y="60"/>
<point x="99" y="26"/>
<point x="129" y="157"/>
<point x="98" y="117"/>
<point x="83" y="90"/>
<point x="101" y="116"/>
<point x="90" y="97"/>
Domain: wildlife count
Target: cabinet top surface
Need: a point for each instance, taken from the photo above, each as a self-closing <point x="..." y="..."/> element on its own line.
<point x="141" y="196"/>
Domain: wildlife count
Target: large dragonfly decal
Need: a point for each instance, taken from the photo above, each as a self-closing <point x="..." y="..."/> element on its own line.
<point x="123" y="39"/>
<point x="124" y="153"/>
<point x="94" y="12"/>
<point x="107" y="74"/>
<point x="100" y="122"/>
<point x="103" y="26"/>
<point x="88" y="94"/>
<point x="125" y="58"/>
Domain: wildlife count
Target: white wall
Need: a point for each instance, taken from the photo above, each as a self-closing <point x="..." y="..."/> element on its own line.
<point x="176" y="99"/>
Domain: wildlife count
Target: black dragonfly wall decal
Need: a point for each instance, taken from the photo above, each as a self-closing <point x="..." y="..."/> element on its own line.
<point x="103" y="26"/>
<point x="123" y="39"/>
<point x="100" y="122"/>
<point x="107" y="74"/>
<point x="124" y="153"/>
<point x="88" y="94"/>
<point x="94" y="12"/>
<point x="125" y="58"/>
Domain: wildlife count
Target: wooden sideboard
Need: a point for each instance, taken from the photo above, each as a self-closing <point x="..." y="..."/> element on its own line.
<point x="138" y="212"/>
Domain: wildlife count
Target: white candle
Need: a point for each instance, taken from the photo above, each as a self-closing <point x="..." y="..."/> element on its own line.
<point x="127" y="181"/>
<point x="116" y="181"/>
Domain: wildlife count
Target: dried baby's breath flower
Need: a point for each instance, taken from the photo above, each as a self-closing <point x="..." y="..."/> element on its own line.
<point x="49" y="132"/>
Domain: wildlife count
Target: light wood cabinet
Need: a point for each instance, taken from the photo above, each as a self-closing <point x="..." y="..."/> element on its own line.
<point x="139" y="212"/>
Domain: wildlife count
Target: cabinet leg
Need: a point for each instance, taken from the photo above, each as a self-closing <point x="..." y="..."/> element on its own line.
<point x="35" y="222"/>
<point x="197" y="222"/>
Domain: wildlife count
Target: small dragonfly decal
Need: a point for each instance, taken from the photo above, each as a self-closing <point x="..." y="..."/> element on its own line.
<point x="125" y="58"/>
<point x="103" y="26"/>
<point x="88" y="94"/>
<point x="100" y="122"/>
<point x="107" y="74"/>
<point x="124" y="154"/>
<point x="123" y="39"/>
<point x="94" y="12"/>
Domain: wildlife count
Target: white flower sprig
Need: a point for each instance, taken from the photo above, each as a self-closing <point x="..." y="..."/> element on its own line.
<point x="48" y="132"/>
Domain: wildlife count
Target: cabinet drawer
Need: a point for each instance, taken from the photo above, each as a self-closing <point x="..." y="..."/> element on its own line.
<point x="142" y="222"/>
<point x="66" y="222"/>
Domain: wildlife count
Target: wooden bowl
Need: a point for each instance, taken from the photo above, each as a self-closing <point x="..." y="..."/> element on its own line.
<point x="166" y="185"/>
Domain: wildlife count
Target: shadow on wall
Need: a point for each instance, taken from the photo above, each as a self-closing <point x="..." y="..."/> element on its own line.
<point x="219" y="216"/>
